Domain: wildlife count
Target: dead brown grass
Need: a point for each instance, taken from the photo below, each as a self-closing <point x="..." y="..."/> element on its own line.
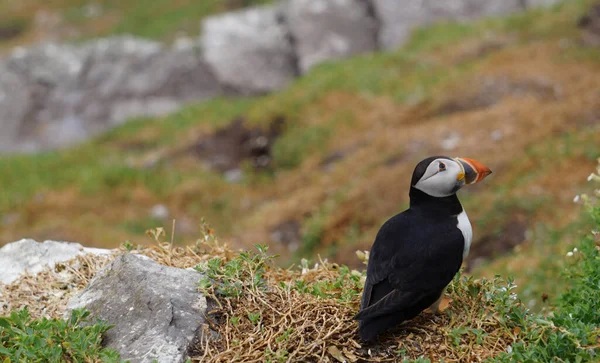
<point x="46" y="294"/>
<point x="292" y="324"/>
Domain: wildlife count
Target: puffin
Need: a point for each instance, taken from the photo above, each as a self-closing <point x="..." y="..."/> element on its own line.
<point x="417" y="253"/>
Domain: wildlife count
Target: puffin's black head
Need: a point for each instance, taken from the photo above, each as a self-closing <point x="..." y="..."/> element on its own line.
<point x="441" y="176"/>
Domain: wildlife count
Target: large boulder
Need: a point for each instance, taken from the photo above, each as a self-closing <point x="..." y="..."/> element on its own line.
<point x="156" y="310"/>
<point x="44" y="71"/>
<point x="250" y="49"/>
<point x="64" y="94"/>
<point x="30" y="256"/>
<point x="127" y="77"/>
<point x="15" y="103"/>
<point x="330" y="29"/>
<point x="399" y="17"/>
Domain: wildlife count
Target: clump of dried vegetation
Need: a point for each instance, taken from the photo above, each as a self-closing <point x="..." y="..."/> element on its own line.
<point x="306" y="314"/>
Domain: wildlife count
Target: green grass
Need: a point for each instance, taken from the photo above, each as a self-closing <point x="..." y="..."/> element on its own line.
<point x="159" y="19"/>
<point x="572" y="333"/>
<point x="557" y="21"/>
<point x="24" y="339"/>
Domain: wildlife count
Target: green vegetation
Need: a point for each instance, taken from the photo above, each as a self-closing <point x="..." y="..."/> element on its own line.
<point x="24" y="339"/>
<point x="572" y="332"/>
<point x="160" y="19"/>
<point x="485" y="320"/>
<point x="232" y="277"/>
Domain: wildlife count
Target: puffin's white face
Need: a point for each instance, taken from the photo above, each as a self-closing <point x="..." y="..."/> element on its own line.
<point x="443" y="177"/>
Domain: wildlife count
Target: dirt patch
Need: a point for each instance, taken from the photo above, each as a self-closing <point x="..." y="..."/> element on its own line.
<point x="229" y="146"/>
<point x="11" y="29"/>
<point x="481" y="48"/>
<point x="492" y="90"/>
<point x="590" y="24"/>
<point x="288" y="234"/>
<point x="512" y="234"/>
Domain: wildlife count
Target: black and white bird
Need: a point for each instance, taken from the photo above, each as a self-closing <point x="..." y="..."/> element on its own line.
<point x="417" y="253"/>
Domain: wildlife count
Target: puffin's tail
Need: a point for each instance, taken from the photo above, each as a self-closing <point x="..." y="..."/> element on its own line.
<point x="369" y="329"/>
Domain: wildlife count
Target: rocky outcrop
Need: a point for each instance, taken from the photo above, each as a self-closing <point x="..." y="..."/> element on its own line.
<point x="30" y="256"/>
<point x="399" y="18"/>
<point x="326" y="30"/>
<point x="250" y="50"/>
<point x="55" y="95"/>
<point x="156" y="310"/>
<point x="15" y="103"/>
<point x="67" y="94"/>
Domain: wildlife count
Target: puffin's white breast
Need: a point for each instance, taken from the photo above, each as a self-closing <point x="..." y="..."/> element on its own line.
<point x="465" y="227"/>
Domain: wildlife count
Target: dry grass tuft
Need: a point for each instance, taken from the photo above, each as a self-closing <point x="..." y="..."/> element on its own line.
<point x="307" y="315"/>
<point x="46" y="294"/>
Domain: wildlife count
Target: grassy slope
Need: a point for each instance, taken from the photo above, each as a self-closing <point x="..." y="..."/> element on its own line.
<point x="389" y="110"/>
<point x="159" y="19"/>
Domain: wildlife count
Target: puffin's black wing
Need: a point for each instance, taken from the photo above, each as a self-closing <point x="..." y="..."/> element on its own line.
<point x="412" y="260"/>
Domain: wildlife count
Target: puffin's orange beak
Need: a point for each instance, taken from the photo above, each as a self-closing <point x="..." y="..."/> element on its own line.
<point x="474" y="171"/>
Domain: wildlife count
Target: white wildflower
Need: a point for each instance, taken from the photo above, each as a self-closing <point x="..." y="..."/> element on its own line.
<point x="569" y="254"/>
<point x="576" y="199"/>
<point x="594" y="177"/>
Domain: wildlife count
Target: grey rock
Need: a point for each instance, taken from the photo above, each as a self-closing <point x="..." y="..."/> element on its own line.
<point x="160" y="211"/>
<point x="14" y="105"/>
<point x="249" y="50"/>
<point x="27" y="255"/>
<point x="400" y="17"/>
<point x="66" y="94"/>
<point x="44" y="71"/>
<point x="330" y="29"/>
<point x="156" y="310"/>
<point x="48" y="63"/>
<point x="541" y="3"/>
<point x="128" y="77"/>
<point x="465" y="10"/>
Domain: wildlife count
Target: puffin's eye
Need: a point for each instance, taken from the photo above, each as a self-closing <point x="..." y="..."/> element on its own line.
<point x="442" y="166"/>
